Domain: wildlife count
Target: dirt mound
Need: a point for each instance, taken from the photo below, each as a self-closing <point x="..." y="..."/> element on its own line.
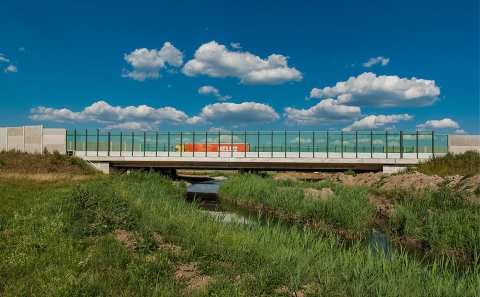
<point x="385" y="181"/>
<point x="48" y="163"/>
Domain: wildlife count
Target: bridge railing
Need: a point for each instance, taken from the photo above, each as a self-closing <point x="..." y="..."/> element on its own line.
<point x="259" y="144"/>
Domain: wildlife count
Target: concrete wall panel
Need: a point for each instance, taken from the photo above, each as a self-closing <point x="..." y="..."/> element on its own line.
<point x="52" y="147"/>
<point x="15" y="143"/>
<point x="33" y="148"/>
<point x="15" y="131"/>
<point x="462" y="143"/>
<point x="50" y="131"/>
<point x="464" y="140"/>
<point x="3" y="139"/>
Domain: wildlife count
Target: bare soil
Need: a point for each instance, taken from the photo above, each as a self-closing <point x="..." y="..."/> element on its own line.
<point x="385" y="181"/>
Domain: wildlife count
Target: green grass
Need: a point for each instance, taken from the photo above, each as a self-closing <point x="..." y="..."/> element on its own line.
<point x="348" y="211"/>
<point x="444" y="219"/>
<point x="452" y="164"/>
<point x="57" y="240"/>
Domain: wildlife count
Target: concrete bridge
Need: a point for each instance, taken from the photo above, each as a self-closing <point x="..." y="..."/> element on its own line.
<point x="387" y="151"/>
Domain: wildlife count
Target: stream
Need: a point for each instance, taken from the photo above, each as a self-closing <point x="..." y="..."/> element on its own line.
<point x="204" y="192"/>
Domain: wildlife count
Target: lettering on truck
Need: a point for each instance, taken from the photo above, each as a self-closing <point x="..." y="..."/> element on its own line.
<point x="224" y="148"/>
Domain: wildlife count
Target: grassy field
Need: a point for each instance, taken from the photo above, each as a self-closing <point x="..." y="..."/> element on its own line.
<point x="131" y="235"/>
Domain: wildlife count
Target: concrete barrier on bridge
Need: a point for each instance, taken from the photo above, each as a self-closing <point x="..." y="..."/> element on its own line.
<point x="462" y="143"/>
<point x="33" y="139"/>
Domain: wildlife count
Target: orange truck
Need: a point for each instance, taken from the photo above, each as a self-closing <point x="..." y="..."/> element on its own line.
<point x="214" y="147"/>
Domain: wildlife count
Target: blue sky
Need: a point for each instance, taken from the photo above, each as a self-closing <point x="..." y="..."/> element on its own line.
<point x="250" y="65"/>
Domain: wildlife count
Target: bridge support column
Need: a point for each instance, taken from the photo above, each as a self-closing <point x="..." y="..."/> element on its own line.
<point x="243" y="170"/>
<point x="393" y="168"/>
<point x="102" y="166"/>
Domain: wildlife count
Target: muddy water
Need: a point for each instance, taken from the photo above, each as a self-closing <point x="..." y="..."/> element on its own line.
<point x="205" y="193"/>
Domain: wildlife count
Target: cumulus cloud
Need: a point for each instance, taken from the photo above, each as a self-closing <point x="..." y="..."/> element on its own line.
<point x="10" y="68"/>
<point x="216" y="60"/>
<point x="243" y="113"/>
<point x="102" y="112"/>
<point x="379" y="122"/>
<point x="302" y="140"/>
<point x="439" y="124"/>
<point x="22" y="49"/>
<point x="131" y="126"/>
<point x="461" y="131"/>
<point x="376" y="60"/>
<point x="147" y="63"/>
<point x="218" y="129"/>
<point x="235" y="45"/>
<point x="3" y="59"/>
<point x="325" y="112"/>
<point x="209" y="90"/>
<point x="383" y="91"/>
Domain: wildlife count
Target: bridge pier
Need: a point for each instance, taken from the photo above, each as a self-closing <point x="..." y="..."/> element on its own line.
<point x="393" y="168"/>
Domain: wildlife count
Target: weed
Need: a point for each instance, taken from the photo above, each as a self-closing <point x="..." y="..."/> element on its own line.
<point x="350" y="172"/>
<point x="451" y="164"/>
<point x="45" y="151"/>
<point x="477" y="191"/>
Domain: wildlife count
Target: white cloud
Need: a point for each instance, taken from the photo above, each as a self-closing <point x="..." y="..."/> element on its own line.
<point x="130" y="126"/>
<point x="3" y="59"/>
<point x="218" y="129"/>
<point x="302" y="140"/>
<point x="10" y="68"/>
<point x="243" y="113"/>
<point x="235" y="45"/>
<point x="216" y="60"/>
<point x="209" y="90"/>
<point x="439" y="124"/>
<point x="102" y="112"/>
<point x="461" y="131"/>
<point x="374" y="122"/>
<point x="383" y="91"/>
<point x="22" y="49"/>
<point x="147" y="63"/>
<point x="325" y="112"/>
<point x="376" y="60"/>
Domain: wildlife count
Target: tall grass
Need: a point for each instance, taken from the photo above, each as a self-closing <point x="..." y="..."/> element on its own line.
<point x="42" y="254"/>
<point x="347" y="210"/>
<point x="443" y="219"/>
<point x="452" y="164"/>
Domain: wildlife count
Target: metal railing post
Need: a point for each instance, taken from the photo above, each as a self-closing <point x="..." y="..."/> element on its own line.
<point x="371" y="144"/>
<point x="206" y="144"/>
<point x="299" y="144"/>
<point x="245" y="143"/>
<point x="193" y="143"/>
<point x="285" y="144"/>
<point x="86" y="140"/>
<point x="271" y="140"/>
<point x="98" y="139"/>
<point x="327" y="144"/>
<point x="341" y="141"/>
<point x="168" y="144"/>
<point x="417" y="145"/>
<point x="258" y="142"/>
<point x="433" y="144"/>
<point x="181" y="143"/>
<point x="108" y="144"/>
<point x="120" y="143"/>
<point x="401" y="144"/>
<point x="231" y="148"/>
<point x="156" y="144"/>
<point x="313" y="143"/>
<point x="386" y="144"/>
<point x="356" y="144"/>
<point x="133" y="142"/>
<point x="219" y="143"/>
<point x="144" y="142"/>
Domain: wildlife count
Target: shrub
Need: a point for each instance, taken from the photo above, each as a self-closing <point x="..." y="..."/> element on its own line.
<point x="350" y="172"/>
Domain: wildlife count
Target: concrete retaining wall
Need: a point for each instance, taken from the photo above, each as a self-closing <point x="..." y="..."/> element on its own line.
<point x="463" y="143"/>
<point x="33" y="139"/>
